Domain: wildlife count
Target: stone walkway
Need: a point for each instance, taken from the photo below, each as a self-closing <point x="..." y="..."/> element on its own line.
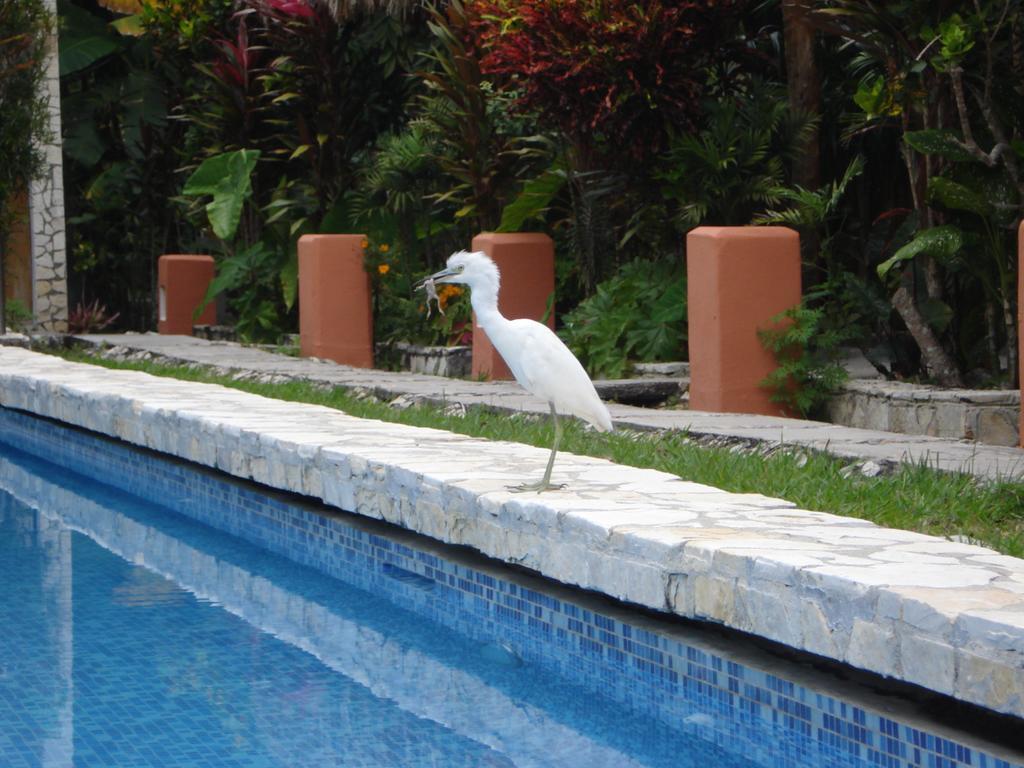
<point x="875" y="447"/>
<point x="945" y="615"/>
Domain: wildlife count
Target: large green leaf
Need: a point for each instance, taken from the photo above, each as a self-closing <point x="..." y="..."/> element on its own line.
<point x="936" y="313"/>
<point x="227" y="178"/>
<point x="941" y="242"/>
<point x="536" y="196"/>
<point x="341" y="218"/>
<point x="875" y="98"/>
<point x="83" y="39"/>
<point x="130" y="26"/>
<point x="938" y="141"/>
<point x="83" y="144"/>
<point x="957" y="197"/>
<point x="289" y="277"/>
<point x="144" y="103"/>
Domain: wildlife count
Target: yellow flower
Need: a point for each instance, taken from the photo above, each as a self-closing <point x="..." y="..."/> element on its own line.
<point x="447" y="293"/>
<point x="364" y="244"/>
<point x="384" y="247"/>
<point x="383" y="269"/>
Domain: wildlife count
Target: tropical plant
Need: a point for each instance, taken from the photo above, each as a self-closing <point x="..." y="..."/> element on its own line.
<point x="402" y="314"/>
<point x="469" y="121"/>
<point x="942" y="75"/>
<point x="249" y="276"/>
<point x="257" y="277"/>
<point x="814" y="212"/>
<point x="289" y="102"/>
<point x="25" y="29"/>
<point x="615" y="77"/>
<point x="227" y="180"/>
<point x="121" y="155"/>
<point x="809" y="371"/>
<point x="734" y="166"/>
<point x="328" y="89"/>
<point x="90" y="318"/>
<point x="982" y="208"/>
<point x="609" y="82"/>
<point x="17" y="316"/>
<point x="396" y="196"/>
<point x="637" y="315"/>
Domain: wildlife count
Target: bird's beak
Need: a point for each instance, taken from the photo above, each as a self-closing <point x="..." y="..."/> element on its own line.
<point x="437" y="277"/>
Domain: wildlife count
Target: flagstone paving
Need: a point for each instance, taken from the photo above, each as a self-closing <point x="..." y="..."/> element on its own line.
<point x="877" y="447"/>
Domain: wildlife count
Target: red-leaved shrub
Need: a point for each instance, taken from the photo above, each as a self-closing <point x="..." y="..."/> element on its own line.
<point x="613" y="75"/>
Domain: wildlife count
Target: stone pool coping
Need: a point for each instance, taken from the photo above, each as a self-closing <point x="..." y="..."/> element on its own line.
<point x="944" y="615"/>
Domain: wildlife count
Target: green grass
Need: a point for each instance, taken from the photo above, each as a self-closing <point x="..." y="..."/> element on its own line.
<point x="914" y="497"/>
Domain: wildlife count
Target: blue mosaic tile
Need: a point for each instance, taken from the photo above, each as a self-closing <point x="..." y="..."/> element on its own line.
<point x="649" y="673"/>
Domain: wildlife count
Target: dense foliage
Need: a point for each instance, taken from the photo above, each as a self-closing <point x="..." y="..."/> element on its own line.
<point x="615" y="77"/>
<point x="635" y="315"/>
<point x="25" y="27"/>
<point x="939" y="81"/>
<point x="616" y="127"/>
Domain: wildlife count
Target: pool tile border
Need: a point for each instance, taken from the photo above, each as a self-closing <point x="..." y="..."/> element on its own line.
<point x="944" y="615"/>
<point x="748" y="703"/>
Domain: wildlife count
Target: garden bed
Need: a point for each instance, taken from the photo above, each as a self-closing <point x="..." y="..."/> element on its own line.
<point x="454" y="362"/>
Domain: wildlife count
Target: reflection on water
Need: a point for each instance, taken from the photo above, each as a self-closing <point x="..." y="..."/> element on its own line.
<point x="145" y="638"/>
<point x="187" y="644"/>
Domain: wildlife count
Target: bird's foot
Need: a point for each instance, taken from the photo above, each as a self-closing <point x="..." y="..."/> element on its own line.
<point x="539" y="486"/>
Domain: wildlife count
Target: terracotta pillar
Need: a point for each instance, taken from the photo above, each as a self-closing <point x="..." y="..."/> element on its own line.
<point x="335" y="307"/>
<point x="182" y="282"/>
<point x="526" y="261"/>
<point x="1020" y="325"/>
<point x="18" y="256"/>
<point x="738" y="278"/>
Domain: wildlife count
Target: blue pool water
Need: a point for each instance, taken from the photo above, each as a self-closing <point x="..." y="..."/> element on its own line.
<point x="172" y="617"/>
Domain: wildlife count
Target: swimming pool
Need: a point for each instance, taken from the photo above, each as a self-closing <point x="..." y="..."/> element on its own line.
<point x="173" y="617"/>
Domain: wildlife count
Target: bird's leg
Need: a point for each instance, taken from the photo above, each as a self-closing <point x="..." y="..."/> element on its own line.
<point x="544" y="484"/>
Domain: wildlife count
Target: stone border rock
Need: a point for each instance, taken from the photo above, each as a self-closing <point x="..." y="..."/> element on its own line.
<point x="944" y="615"/>
<point x="988" y="416"/>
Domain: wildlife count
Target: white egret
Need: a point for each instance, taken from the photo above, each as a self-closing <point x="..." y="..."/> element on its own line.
<point x="539" y="360"/>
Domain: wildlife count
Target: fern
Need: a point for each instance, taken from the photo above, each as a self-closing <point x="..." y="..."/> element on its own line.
<point x="640" y="314"/>
<point x="734" y="167"/>
<point x="809" y="373"/>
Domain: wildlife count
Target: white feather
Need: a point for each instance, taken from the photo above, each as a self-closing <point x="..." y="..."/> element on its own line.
<point x="538" y="359"/>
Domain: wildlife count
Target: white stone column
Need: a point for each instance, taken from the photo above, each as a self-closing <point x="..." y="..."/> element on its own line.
<point x="46" y="213"/>
<point x="58" y="743"/>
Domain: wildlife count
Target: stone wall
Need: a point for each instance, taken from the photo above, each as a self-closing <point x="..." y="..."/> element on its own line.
<point x="46" y="213"/>
<point x="986" y="415"/>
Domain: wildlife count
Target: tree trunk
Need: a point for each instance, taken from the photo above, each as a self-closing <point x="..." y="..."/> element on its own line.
<point x="3" y="306"/>
<point x="936" y="361"/>
<point x="804" y="87"/>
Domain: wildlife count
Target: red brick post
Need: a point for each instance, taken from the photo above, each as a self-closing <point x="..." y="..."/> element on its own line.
<point x="738" y="278"/>
<point x="182" y="282"/>
<point x="335" y="309"/>
<point x="527" y="264"/>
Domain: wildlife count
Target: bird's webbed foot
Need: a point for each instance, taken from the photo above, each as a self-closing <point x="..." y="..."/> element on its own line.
<point x="539" y="486"/>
